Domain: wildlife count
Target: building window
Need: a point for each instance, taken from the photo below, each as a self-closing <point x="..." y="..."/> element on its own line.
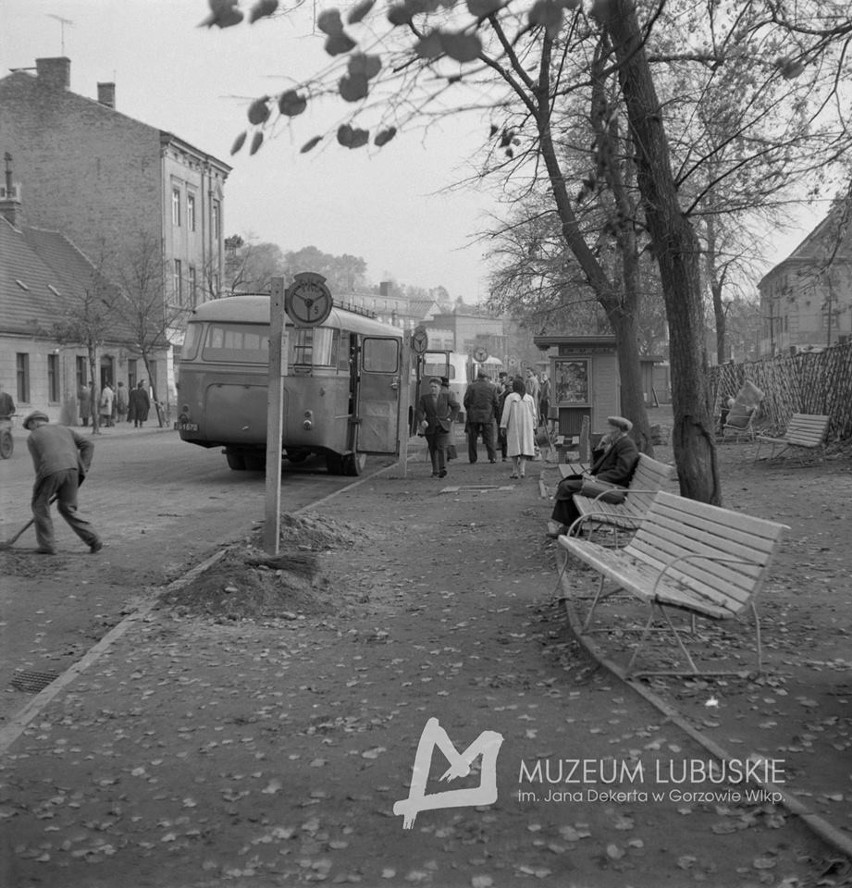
<point x="216" y="214"/>
<point x="82" y="372"/>
<point x="22" y="372"/>
<point x="177" y="282"/>
<point x="190" y="212"/>
<point x="53" y="378"/>
<point x="193" y="287"/>
<point x="176" y="206"/>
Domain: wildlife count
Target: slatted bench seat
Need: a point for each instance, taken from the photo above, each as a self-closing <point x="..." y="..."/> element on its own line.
<point x="689" y="556"/>
<point x="805" y="431"/>
<point x="648" y="477"/>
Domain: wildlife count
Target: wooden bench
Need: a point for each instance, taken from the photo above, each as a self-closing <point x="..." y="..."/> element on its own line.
<point x="805" y="431"/>
<point x="648" y="477"/>
<point x="690" y="556"/>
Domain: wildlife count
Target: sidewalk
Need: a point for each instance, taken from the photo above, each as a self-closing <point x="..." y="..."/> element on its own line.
<point x="201" y="752"/>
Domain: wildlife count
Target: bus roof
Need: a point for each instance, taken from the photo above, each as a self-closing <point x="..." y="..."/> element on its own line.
<point x="254" y="309"/>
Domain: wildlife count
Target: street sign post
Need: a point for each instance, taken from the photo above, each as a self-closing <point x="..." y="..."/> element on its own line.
<point x="274" y="417"/>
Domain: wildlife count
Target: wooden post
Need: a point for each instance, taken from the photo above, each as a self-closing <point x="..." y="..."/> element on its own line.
<point x="585" y="452"/>
<point x="274" y="418"/>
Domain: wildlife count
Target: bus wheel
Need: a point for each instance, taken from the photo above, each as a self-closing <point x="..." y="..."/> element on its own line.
<point x="297" y="456"/>
<point x="354" y="463"/>
<point x="255" y="462"/>
<point x="236" y="460"/>
<point x="334" y="464"/>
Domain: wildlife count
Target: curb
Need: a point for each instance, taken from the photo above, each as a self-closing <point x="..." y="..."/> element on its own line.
<point x="837" y="839"/>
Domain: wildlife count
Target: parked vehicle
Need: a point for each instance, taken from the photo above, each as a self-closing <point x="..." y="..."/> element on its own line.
<point x="341" y="389"/>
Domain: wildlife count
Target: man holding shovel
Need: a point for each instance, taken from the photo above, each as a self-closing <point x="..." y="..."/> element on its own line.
<point x="61" y="459"/>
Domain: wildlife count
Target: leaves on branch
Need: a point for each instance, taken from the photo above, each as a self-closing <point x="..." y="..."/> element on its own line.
<point x="357" y="13"/>
<point x="461" y="47"/>
<point x="223" y="14"/>
<point x="483" y="8"/>
<point x="368" y="65"/>
<point x="256" y="142"/>
<point x="789" y="68"/>
<point x="384" y="136"/>
<point x="290" y="103"/>
<point x="337" y="44"/>
<point x="547" y="14"/>
<point x="262" y="9"/>
<point x="400" y="14"/>
<point x="353" y="87"/>
<point x="238" y="142"/>
<point x="310" y="144"/>
<point x="328" y="21"/>
<point x="352" y="137"/>
<point x="258" y="111"/>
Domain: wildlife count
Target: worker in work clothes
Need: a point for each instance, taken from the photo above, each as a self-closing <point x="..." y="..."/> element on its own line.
<point x="61" y="459"/>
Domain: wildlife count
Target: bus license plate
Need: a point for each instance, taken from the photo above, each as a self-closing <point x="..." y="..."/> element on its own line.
<point x="186" y="426"/>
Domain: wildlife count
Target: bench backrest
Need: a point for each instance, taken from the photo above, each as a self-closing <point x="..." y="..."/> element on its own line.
<point x="806" y="430"/>
<point x="648" y="477"/>
<point x="675" y="526"/>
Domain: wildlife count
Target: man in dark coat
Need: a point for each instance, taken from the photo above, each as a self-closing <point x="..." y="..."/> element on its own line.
<point x="480" y="404"/>
<point x="614" y="462"/>
<point x="139" y="403"/>
<point x="436" y="412"/>
<point x="61" y="459"/>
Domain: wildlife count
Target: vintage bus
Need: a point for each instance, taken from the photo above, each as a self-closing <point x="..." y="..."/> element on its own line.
<point x="341" y="385"/>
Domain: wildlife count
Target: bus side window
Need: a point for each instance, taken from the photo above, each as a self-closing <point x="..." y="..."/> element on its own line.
<point x="380" y="355"/>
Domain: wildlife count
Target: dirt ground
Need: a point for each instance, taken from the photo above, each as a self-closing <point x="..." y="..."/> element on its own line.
<point x="259" y="725"/>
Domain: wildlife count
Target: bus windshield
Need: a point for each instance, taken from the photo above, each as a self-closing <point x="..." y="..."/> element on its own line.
<point x="191" y="341"/>
<point x="237" y="343"/>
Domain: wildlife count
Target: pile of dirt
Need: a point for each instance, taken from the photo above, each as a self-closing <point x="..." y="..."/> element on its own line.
<point x="248" y="584"/>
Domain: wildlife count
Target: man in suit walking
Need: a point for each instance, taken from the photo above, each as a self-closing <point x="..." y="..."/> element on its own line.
<point x="480" y="404"/>
<point x="436" y="412"/>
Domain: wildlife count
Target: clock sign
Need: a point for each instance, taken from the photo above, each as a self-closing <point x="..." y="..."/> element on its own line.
<point x="308" y="300"/>
<point x="419" y="340"/>
<point x="481" y="354"/>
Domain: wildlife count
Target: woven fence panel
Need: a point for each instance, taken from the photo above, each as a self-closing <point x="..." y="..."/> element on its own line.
<point x="814" y="382"/>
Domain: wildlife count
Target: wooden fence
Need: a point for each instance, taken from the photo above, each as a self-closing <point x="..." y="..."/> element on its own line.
<point x="814" y="382"/>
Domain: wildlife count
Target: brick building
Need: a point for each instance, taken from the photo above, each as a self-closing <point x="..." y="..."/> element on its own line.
<point x="115" y="185"/>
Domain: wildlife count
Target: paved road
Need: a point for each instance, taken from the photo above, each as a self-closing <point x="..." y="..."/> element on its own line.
<point x="161" y="506"/>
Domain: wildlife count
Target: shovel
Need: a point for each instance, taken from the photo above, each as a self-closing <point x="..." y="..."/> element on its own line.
<point x="12" y="540"/>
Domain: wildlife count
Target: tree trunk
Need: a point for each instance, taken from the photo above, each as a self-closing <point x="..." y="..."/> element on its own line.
<point x="94" y="390"/>
<point x="677" y="252"/>
<point x="153" y="386"/>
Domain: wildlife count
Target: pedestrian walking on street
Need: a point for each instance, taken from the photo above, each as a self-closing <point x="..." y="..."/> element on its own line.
<point x="533" y="388"/>
<point x="138" y="406"/>
<point x="107" y="398"/>
<point x="451" y="447"/>
<point x="61" y="459"/>
<point x="436" y="412"/>
<point x="518" y="422"/>
<point x="121" y="402"/>
<point x="480" y="404"/>
<point x="615" y="459"/>
<point x="84" y="398"/>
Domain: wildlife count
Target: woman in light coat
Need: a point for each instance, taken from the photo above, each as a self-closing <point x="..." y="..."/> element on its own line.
<point x="518" y="424"/>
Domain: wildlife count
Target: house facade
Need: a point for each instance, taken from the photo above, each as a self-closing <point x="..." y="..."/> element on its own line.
<point x="806" y="300"/>
<point x="113" y="184"/>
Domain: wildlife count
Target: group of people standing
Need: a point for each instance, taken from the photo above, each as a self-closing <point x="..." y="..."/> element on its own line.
<point x="508" y="410"/>
<point x="116" y="405"/>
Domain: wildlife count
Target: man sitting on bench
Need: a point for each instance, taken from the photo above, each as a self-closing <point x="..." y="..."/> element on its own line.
<point x="612" y="467"/>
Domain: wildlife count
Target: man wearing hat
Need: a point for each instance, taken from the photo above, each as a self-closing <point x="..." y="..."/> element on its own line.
<point x="61" y="459"/>
<point x="436" y="412"/>
<point x="480" y="404"/>
<point x="614" y="461"/>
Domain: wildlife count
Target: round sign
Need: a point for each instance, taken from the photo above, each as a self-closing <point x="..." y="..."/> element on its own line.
<point x="481" y="354"/>
<point x="419" y="340"/>
<point x="308" y="301"/>
<point x="513" y="360"/>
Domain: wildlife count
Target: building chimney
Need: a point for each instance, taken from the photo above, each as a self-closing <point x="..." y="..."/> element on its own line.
<point x="54" y="73"/>
<point x="10" y="196"/>
<point x="106" y="94"/>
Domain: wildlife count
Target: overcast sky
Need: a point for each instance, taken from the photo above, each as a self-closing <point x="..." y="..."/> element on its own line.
<point x="386" y="206"/>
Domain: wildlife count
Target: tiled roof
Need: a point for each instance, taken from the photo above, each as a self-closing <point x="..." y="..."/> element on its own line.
<point x="39" y="272"/>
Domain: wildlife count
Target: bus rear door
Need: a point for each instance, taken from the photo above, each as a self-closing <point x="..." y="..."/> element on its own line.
<point x="377" y="405"/>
